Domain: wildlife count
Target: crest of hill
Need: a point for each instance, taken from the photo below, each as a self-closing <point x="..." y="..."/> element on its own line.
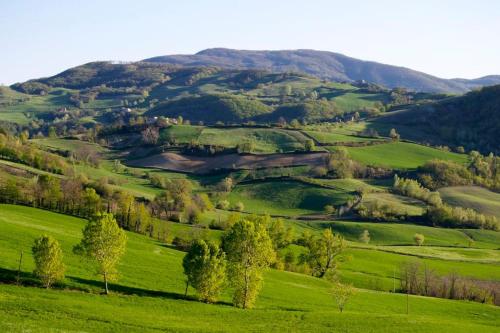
<point x="212" y="108"/>
<point x="326" y="65"/>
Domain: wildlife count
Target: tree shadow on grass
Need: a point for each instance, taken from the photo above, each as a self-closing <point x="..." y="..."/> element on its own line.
<point x="127" y="290"/>
<point x="9" y="276"/>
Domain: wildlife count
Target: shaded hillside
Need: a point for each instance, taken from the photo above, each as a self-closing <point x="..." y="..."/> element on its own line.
<point x="471" y="120"/>
<point x="326" y="65"/>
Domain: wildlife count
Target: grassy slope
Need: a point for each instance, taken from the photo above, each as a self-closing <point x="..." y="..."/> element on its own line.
<point x="478" y="198"/>
<point x="402" y="234"/>
<point x="265" y="140"/>
<point x="288" y="302"/>
<point x="401" y="155"/>
<point x="286" y="197"/>
<point x="334" y="137"/>
<point x="409" y="205"/>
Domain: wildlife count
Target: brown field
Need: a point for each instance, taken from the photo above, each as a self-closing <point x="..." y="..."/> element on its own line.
<point x="200" y="164"/>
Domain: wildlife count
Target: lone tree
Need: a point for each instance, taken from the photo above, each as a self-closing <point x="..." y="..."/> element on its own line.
<point x="309" y="145"/>
<point x="49" y="267"/>
<point x="205" y="270"/>
<point x="394" y="135"/>
<point x="324" y="252"/>
<point x="342" y="293"/>
<point x="249" y="252"/>
<point x="104" y="242"/>
<point x="364" y="237"/>
<point x="419" y="239"/>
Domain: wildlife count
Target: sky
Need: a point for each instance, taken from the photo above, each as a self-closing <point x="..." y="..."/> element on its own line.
<point x="444" y="38"/>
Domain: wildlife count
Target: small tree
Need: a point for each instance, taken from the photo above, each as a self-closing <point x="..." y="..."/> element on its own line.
<point x="342" y="293"/>
<point x="394" y="135"/>
<point x="226" y="185"/>
<point x="223" y="204"/>
<point x="324" y="252"/>
<point x="205" y="270"/>
<point x="419" y="239"/>
<point x="364" y="237"/>
<point x="329" y="209"/>
<point x="309" y="145"/>
<point x="49" y="267"/>
<point x="249" y="251"/>
<point x="104" y="242"/>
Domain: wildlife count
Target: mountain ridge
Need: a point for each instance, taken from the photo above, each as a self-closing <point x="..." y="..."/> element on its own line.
<point x="326" y="65"/>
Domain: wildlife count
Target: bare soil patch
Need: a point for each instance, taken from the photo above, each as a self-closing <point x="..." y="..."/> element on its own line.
<point x="200" y="164"/>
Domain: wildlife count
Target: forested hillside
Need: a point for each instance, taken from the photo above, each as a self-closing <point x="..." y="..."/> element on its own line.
<point x="471" y="121"/>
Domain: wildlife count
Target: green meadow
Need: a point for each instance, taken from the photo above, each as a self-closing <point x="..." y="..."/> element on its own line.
<point x="148" y="296"/>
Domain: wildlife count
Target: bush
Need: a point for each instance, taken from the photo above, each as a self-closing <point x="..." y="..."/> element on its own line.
<point x="419" y="239"/>
<point x="181" y="244"/>
<point x="239" y="206"/>
<point x="223" y="204"/>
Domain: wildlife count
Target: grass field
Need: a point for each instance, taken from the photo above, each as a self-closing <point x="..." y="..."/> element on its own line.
<point x="67" y="144"/>
<point x="148" y="297"/>
<point x="401" y="155"/>
<point x="402" y="234"/>
<point x="475" y="197"/>
<point x="411" y="206"/>
<point x="264" y="140"/>
<point x="334" y="137"/>
<point x="286" y="197"/>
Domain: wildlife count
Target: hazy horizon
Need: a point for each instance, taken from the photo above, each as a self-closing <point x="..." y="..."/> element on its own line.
<point x="44" y="39"/>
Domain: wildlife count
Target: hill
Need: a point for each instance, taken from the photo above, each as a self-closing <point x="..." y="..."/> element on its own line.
<point x="149" y="296"/>
<point x="212" y="108"/>
<point x="471" y="120"/>
<point x="325" y="65"/>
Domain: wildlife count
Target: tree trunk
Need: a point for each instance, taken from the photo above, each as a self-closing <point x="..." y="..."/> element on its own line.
<point x="186" y="291"/>
<point x="106" y="290"/>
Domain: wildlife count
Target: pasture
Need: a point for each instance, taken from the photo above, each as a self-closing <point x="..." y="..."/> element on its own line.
<point x="149" y="292"/>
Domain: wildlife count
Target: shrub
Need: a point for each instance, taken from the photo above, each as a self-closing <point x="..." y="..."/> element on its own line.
<point x="419" y="239"/>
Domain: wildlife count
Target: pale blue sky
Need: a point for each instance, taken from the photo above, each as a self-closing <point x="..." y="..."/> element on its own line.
<point x="441" y="37"/>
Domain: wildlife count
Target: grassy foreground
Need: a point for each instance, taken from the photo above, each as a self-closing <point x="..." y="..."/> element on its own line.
<point x="149" y="295"/>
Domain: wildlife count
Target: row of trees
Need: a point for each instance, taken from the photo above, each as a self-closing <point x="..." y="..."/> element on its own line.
<point x="17" y="149"/>
<point x="480" y="170"/>
<point x="458" y="217"/>
<point x="412" y="188"/>
<point x="419" y="279"/>
<point x="247" y="249"/>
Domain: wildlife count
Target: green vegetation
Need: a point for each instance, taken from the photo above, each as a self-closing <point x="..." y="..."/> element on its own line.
<point x="212" y="108"/>
<point x="65" y="145"/>
<point x="162" y="289"/>
<point x="401" y="155"/>
<point x="475" y="197"/>
<point x="334" y="137"/>
<point x="286" y="197"/>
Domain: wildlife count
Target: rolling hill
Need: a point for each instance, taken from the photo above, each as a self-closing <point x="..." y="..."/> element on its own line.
<point x="326" y="65"/>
